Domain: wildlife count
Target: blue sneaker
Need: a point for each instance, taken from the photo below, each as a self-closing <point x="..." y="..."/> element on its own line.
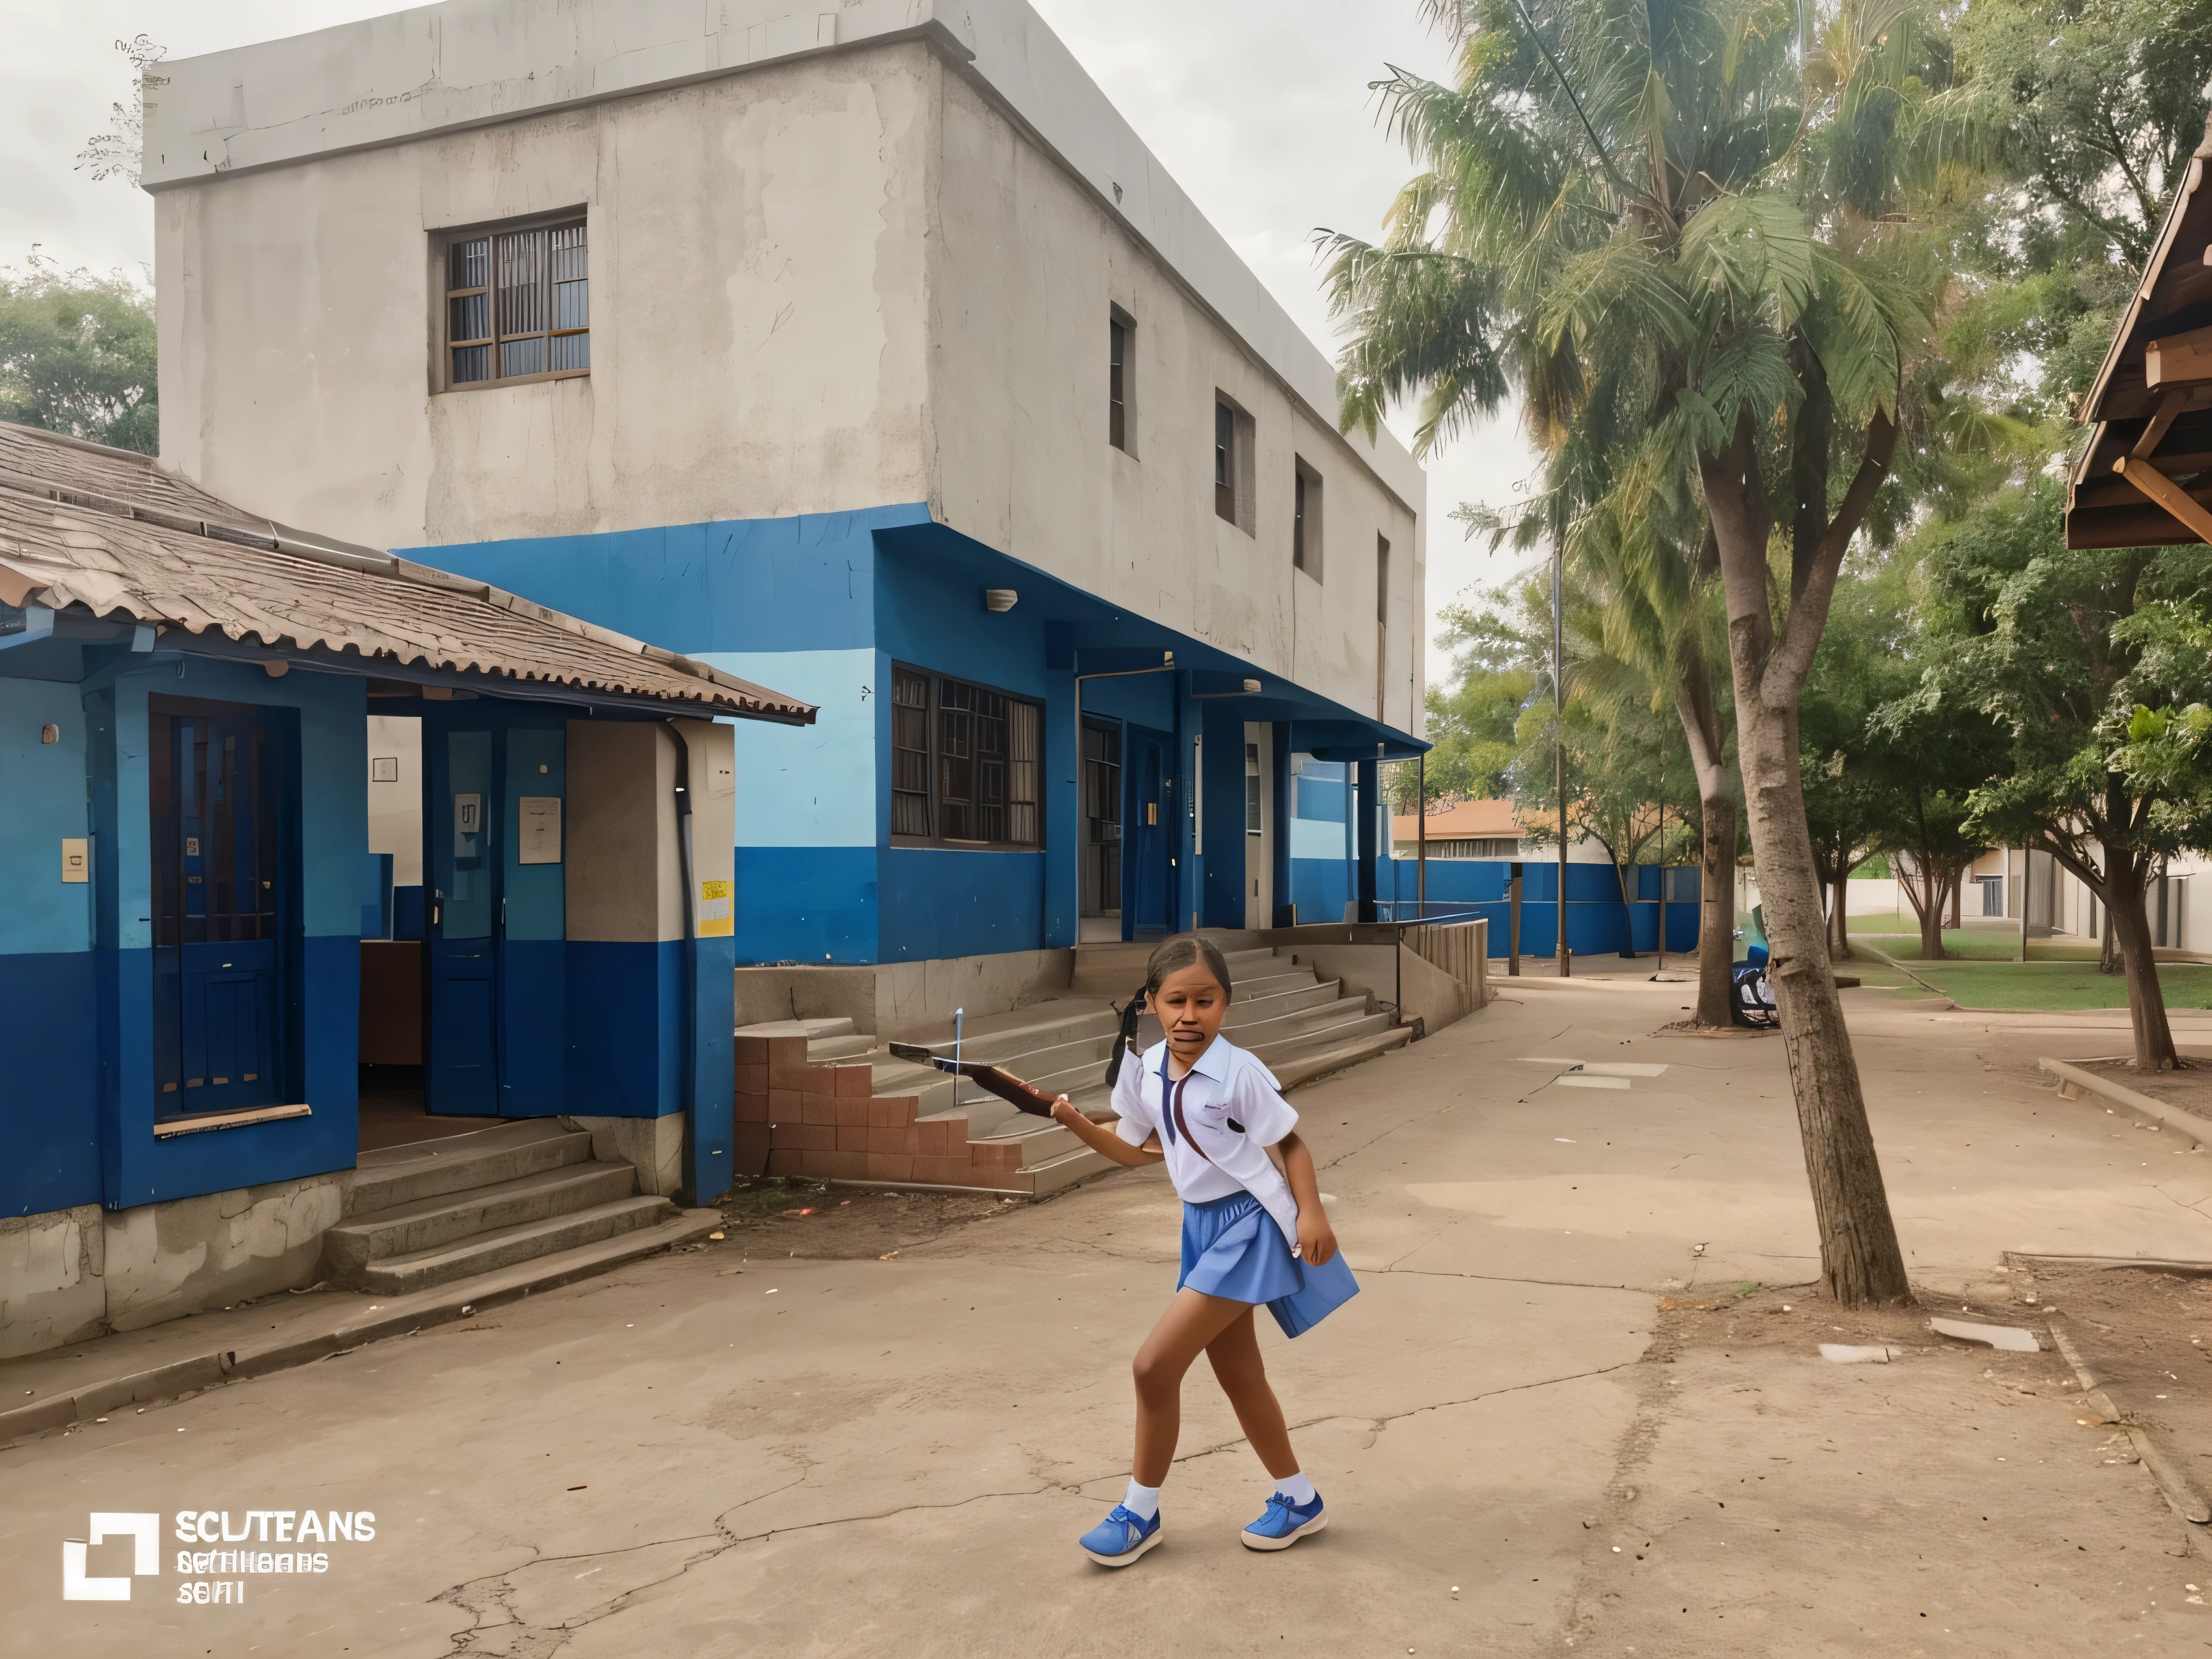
<point x="1121" y="1538"/>
<point x="1283" y="1523"/>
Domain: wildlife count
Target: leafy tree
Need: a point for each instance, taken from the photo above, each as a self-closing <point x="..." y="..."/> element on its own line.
<point x="2060" y="648"/>
<point x="1683" y="230"/>
<point x="76" y="354"/>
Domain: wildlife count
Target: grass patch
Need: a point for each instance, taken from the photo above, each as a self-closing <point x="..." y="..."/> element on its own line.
<point x="1982" y="944"/>
<point x="2054" y="987"/>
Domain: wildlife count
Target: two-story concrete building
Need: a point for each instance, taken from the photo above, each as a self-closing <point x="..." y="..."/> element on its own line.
<point x="864" y="350"/>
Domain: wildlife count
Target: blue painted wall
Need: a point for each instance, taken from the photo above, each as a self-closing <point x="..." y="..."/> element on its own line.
<point x="49" y="1084"/>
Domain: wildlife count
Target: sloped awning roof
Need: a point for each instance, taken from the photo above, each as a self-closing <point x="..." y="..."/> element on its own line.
<point x="2145" y="479"/>
<point x="110" y="532"/>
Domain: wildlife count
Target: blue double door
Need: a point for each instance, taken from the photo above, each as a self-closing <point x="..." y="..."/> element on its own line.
<point x="494" y="784"/>
<point x="223" y="892"/>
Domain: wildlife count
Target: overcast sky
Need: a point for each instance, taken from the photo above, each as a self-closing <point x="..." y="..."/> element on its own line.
<point x="1259" y="108"/>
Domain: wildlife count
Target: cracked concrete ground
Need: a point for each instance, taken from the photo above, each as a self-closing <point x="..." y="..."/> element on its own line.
<point x="705" y="1453"/>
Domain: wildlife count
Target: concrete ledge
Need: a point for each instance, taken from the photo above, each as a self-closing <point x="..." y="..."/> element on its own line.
<point x="347" y="1322"/>
<point x="2074" y="1082"/>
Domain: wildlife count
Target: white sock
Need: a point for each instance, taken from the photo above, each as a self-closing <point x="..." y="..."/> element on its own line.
<point x="1296" y="1488"/>
<point x="1143" y="1502"/>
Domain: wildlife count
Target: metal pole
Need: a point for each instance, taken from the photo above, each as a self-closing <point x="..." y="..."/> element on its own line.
<point x="2027" y="864"/>
<point x="1559" y="749"/>
<point x="1421" y="836"/>
<point x="1663" y="860"/>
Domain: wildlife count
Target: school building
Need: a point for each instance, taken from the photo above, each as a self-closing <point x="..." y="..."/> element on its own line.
<point x="865" y="352"/>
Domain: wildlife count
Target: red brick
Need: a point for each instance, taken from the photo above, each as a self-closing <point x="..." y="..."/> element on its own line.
<point x="838" y="1166"/>
<point x="752" y="1108"/>
<point x="752" y="1051"/>
<point x="786" y="1051"/>
<point x="817" y="1109"/>
<point x="850" y="1139"/>
<point x="854" y="1079"/>
<point x="780" y="1163"/>
<point x="890" y="1166"/>
<point x="806" y="1136"/>
<point x="880" y="1115"/>
<point x="752" y="1079"/>
<point x="852" y="1110"/>
<point x="819" y="1080"/>
<point x="936" y="1138"/>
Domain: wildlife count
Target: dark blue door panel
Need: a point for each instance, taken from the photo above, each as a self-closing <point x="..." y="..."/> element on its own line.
<point x="221" y="897"/>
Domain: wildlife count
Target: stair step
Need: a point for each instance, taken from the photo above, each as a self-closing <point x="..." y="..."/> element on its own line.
<point x="1304" y="1068"/>
<point x="849" y="1045"/>
<point x="503" y="1246"/>
<point x="408" y="1229"/>
<point x="1065" y="1170"/>
<point x="400" y="1175"/>
<point x="838" y="1025"/>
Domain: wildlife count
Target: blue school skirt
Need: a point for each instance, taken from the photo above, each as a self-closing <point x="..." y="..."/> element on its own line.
<point x="1232" y="1248"/>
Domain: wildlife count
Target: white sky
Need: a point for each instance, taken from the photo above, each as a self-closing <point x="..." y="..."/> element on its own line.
<point x="1259" y="108"/>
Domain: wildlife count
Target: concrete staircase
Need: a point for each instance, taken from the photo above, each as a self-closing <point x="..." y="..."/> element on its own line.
<point x="440" y="1210"/>
<point x="817" y="1099"/>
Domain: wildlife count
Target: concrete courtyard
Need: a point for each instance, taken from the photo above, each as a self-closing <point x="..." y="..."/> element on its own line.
<point x="1558" y="1420"/>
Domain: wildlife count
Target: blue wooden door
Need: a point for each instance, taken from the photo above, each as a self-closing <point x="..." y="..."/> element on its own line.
<point x="461" y="1075"/>
<point x="494" y="1044"/>
<point x="1147" y="825"/>
<point x="221" y="895"/>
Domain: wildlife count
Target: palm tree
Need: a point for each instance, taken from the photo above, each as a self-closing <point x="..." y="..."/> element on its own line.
<point x="1679" y="227"/>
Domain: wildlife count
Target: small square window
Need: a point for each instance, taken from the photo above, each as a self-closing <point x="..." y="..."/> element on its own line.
<point x="517" y="304"/>
<point x="384" y="769"/>
<point x="1232" y="463"/>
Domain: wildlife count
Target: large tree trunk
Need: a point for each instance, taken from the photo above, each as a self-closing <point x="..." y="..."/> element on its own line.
<point x="1861" y="1263"/>
<point x="1701" y="726"/>
<point x="2128" y="921"/>
<point x="1839" y="941"/>
<point x="1931" y="912"/>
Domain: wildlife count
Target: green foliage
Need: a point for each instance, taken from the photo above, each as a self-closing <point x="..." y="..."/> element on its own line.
<point x="2060" y="648"/>
<point x="76" y="354"/>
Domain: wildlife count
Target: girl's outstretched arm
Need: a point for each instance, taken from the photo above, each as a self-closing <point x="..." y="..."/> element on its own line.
<point x="1316" y="1238"/>
<point x="1100" y="1138"/>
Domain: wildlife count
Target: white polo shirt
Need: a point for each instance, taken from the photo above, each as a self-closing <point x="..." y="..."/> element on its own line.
<point x="1226" y="1084"/>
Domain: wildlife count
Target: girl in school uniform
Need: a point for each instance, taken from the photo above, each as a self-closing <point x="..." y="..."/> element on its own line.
<point x="1253" y="1233"/>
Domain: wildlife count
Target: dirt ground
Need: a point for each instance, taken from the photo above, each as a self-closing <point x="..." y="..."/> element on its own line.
<point x="2189" y="1088"/>
<point x="812" y="1220"/>
<point x="1949" y="1501"/>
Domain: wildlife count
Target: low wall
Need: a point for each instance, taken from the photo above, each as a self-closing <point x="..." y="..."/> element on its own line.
<point x="884" y="998"/>
<point x="79" y="1273"/>
<point x="1369" y="960"/>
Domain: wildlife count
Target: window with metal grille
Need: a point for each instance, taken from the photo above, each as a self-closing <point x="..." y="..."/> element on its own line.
<point x="909" y="753"/>
<point x="964" y="762"/>
<point x="1117" y="383"/>
<point x="1224" y="462"/>
<point x="1252" y="826"/>
<point x="518" y="305"/>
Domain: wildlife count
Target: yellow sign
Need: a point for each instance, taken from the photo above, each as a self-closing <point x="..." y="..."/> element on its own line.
<point x="717" y="909"/>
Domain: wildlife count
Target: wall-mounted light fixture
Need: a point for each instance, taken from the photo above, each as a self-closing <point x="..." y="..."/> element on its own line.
<point x="1000" y="598"/>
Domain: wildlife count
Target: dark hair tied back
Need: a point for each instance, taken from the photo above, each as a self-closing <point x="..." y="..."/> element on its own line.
<point x="1172" y="956"/>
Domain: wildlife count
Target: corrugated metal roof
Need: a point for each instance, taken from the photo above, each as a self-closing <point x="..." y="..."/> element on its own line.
<point x="112" y="532"/>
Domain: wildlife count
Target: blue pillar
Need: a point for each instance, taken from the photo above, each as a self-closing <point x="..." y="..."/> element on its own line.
<point x="1187" y="869"/>
<point x="1280" y="864"/>
<point x="1223" y="865"/>
<point x="1059" y="769"/>
<point x="713" y="1082"/>
<point x="1370" y="819"/>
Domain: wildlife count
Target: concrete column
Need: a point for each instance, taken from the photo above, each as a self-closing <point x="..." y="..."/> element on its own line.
<point x="710" y="1073"/>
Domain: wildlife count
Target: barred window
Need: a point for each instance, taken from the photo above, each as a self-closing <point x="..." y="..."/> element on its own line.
<point x="965" y="761"/>
<point x="518" y="305"/>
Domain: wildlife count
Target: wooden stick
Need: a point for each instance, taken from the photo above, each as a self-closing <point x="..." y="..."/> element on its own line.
<point x="2167" y="494"/>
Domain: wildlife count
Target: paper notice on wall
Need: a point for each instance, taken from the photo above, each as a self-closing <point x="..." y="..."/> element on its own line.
<point x="717" y="909"/>
<point x="540" y="841"/>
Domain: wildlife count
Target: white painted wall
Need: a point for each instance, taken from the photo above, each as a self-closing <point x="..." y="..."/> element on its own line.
<point x="395" y="810"/>
<point x="821" y="280"/>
